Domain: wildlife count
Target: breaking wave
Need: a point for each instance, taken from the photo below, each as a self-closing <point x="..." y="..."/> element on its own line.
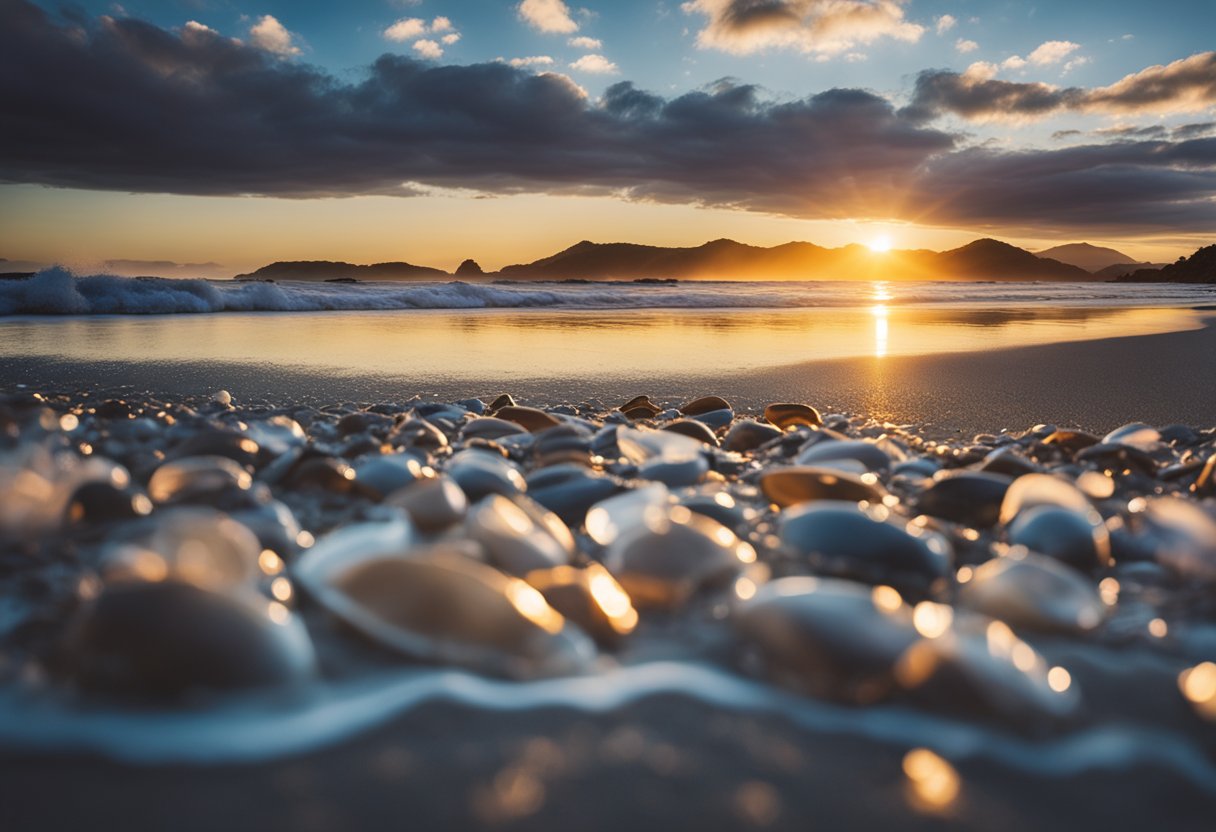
<point x="56" y="291"/>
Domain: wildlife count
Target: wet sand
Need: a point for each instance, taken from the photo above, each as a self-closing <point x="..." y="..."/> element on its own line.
<point x="1095" y="385"/>
<point x="665" y="763"/>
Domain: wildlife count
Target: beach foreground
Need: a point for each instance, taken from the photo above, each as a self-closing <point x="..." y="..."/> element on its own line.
<point x="483" y="614"/>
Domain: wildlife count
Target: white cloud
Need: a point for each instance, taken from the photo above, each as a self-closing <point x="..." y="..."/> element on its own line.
<point x="441" y="24"/>
<point x="1014" y="62"/>
<point x="1052" y="52"/>
<point x="1080" y="60"/>
<point x="945" y="23"/>
<point x="963" y="46"/>
<point x="407" y="28"/>
<point x="196" y="27"/>
<point x="547" y="16"/>
<point x="584" y="42"/>
<point x="269" y="34"/>
<point x="450" y="38"/>
<point x="532" y="60"/>
<point x="428" y="49"/>
<point x="823" y="28"/>
<point x="595" y="64"/>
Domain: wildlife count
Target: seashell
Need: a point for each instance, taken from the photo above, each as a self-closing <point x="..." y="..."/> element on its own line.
<point x="972" y="498"/>
<point x="277" y="435"/>
<point x="322" y="473"/>
<point x="1033" y="591"/>
<point x="1136" y="434"/>
<point x="787" y="416"/>
<point x="827" y="637"/>
<point x="703" y="405"/>
<point x="1075" y="538"/>
<point x="441" y="606"/>
<point x="504" y="400"/>
<point x="673" y="556"/>
<point x="171" y="639"/>
<point x="590" y="597"/>
<point x="418" y="433"/>
<point x="721" y="506"/>
<point x="205" y="547"/>
<point x="1181" y="535"/>
<point x="518" y="535"/>
<point x="1070" y="441"/>
<point x="803" y="484"/>
<point x="195" y="477"/>
<point x="529" y="417"/>
<point x="1008" y="461"/>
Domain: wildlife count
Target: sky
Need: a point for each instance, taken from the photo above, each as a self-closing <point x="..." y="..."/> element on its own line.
<point x="237" y="132"/>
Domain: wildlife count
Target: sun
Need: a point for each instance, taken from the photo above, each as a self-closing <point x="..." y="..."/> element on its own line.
<point x="880" y="245"/>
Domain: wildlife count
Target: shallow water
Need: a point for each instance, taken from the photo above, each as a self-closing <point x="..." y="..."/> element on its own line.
<point x="566" y="339"/>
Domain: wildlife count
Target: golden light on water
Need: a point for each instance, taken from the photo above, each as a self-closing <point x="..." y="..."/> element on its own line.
<point x="933" y="784"/>
<point x="533" y="606"/>
<point x="932" y="620"/>
<point x="1198" y="685"/>
<point x="882" y="330"/>
<point x="1059" y="679"/>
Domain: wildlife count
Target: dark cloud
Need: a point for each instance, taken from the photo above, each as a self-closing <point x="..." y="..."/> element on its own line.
<point x="1184" y="86"/>
<point x="124" y="105"/>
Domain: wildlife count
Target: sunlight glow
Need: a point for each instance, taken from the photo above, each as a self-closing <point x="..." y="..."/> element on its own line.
<point x="880" y="245"/>
<point x="881" y="329"/>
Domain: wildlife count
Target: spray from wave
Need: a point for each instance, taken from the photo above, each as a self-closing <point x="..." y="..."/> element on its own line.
<point x="56" y="291"/>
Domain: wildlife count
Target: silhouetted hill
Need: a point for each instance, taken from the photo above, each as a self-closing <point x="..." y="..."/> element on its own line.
<point x="1200" y="267"/>
<point x="1120" y="269"/>
<point x="469" y="268"/>
<point x="1085" y="256"/>
<point x="329" y="270"/>
<point x="727" y="259"/>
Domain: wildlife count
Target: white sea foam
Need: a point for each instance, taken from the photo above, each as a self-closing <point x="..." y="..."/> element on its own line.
<point x="57" y="291"/>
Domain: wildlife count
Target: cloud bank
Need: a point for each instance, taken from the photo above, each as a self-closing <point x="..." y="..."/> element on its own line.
<point x="125" y="105"/>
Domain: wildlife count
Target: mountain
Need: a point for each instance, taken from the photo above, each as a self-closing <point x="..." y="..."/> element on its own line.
<point x="1200" y="267"/>
<point x="469" y="268"/>
<point x="1120" y="269"/>
<point x="1086" y="256"/>
<point x="335" y="270"/>
<point x="727" y="259"/>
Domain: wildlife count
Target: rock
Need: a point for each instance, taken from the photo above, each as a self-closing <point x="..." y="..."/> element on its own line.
<point x="569" y="490"/>
<point x="432" y="503"/>
<point x="1072" y="537"/>
<point x="529" y="417"/>
<point x="972" y="498"/>
<point x="591" y="598"/>
<point x="468" y="268"/>
<point x="518" y="535"/>
<point x="692" y="429"/>
<point x="831" y="453"/>
<point x="1036" y="592"/>
<point x="479" y="473"/>
<point x="196" y="477"/>
<point x="170" y="640"/>
<point x="1032" y="490"/>
<point x="670" y="558"/>
<point x="747" y="435"/>
<point x="839" y="539"/>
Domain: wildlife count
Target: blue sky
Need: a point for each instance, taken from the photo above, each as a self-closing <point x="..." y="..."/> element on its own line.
<point x="1018" y="83"/>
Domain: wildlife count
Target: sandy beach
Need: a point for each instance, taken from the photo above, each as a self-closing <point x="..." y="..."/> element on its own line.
<point x="1096" y="385"/>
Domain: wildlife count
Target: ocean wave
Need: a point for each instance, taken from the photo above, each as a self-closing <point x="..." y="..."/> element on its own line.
<point x="56" y="291"/>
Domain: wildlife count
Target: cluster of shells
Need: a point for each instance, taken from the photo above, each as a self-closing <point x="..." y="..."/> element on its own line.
<point x="169" y="550"/>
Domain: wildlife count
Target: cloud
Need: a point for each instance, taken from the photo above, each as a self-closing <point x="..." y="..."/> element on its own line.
<point x="441" y="24"/>
<point x="428" y="49"/>
<point x="583" y="42"/>
<point x="407" y="28"/>
<point x="1014" y="62"/>
<point x="963" y="46"/>
<point x="450" y="38"/>
<point x="1052" y="52"/>
<point x="945" y="23"/>
<point x="126" y="105"/>
<point x="595" y="64"/>
<point x="1185" y="86"/>
<point x="823" y="27"/>
<point x="533" y="60"/>
<point x="550" y="16"/>
<point x="269" y="34"/>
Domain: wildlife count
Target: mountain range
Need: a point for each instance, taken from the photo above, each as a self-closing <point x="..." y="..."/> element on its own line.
<point x="721" y="259"/>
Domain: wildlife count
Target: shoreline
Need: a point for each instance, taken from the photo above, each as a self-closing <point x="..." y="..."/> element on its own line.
<point x="1159" y="380"/>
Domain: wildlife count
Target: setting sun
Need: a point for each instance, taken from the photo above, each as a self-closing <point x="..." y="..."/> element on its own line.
<point x="880" y="245"/>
